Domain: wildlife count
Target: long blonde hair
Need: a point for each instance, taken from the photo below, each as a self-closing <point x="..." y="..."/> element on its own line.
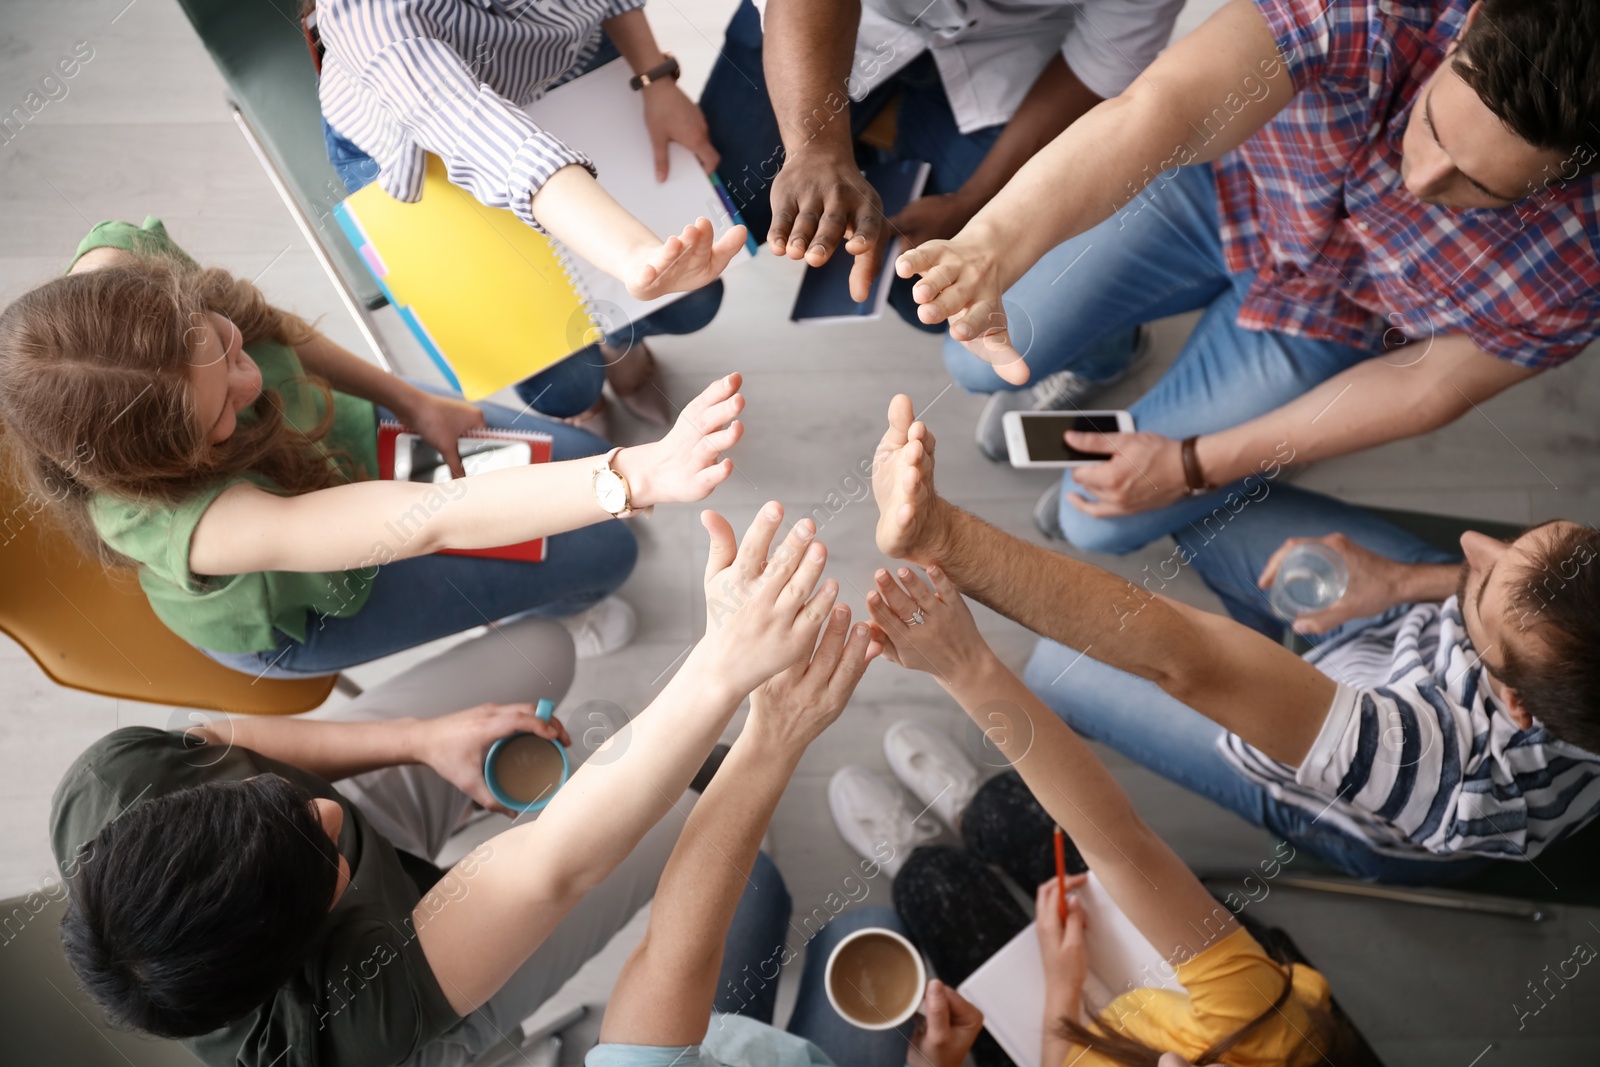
<point x="95" y="394"/>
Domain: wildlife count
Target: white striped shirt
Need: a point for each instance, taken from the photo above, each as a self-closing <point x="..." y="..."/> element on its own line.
<point x="405" y="77"/>
<point x="1417" y="756"/>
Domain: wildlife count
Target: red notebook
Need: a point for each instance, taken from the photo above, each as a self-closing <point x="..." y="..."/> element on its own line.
<point x="420" y="462"/>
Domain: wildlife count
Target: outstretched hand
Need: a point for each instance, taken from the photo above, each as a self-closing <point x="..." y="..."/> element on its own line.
<point x="761" y="616"/>
<point x="927" y="628"/>
<point x="793" y="707"/>
<point x="910" y="514"/>
<point x="683" y="263"/>
<point x="687" y="463"/>
<point x="961" y="285"/>
<point x="820" y="202"/>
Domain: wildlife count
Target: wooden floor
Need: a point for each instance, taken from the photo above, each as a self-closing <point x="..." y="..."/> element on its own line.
<point x="143" y="131"/>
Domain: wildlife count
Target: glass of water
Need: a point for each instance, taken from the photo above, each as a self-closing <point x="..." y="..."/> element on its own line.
<point x="1310" y="578"/>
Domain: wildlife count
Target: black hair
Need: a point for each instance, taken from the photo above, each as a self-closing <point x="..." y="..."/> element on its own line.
<point x="195" y="906"/>
<point x="1557" y="599"/>
<point x="1532" y="63"/>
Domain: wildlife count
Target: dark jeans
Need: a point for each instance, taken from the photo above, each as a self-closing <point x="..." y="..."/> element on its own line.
<point x="571" y="386"/>
<point x="744" y="131"/>
<point x="957" y="909"/>
<point x="754" y="953"/>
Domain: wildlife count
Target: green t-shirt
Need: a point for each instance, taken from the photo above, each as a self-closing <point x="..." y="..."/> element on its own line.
<point x="365" y="996"/>
<point x="240" y="612"/>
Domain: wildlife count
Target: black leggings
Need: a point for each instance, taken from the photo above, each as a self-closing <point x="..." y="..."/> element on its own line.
<point x="957" y="909"/>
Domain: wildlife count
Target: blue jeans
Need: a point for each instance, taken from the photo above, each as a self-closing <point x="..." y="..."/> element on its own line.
<point x="417" y="600"/>
<point x="744" y="131"/>
<point x="573" y="385"/>
<point x="1138" y="719"/>
<point x="1077" y="308"/>
<point x="754" y="951"/>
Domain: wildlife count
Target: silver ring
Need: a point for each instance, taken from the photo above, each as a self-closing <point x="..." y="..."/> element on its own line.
<point x="917" y="618"/>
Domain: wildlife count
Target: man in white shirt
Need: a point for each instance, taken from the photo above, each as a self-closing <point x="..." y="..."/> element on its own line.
<point x="981" y="87"/>
<point x="1449" y="715"/>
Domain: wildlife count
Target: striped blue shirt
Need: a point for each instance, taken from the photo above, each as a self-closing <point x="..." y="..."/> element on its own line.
<point x="406" y="77"/>
<point x="1418" y="757"/>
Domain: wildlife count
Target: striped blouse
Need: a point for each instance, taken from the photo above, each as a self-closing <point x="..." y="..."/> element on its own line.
<point x="405" y="77"/>
<point x="1419" y="759"/>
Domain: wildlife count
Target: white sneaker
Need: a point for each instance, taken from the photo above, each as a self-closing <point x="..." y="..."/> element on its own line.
<point x="874" y="819"/>
<point x="929" y="764"/>
<point x="602" y="629"/>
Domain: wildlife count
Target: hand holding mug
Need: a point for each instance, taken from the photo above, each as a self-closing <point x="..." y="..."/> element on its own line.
<point x="454" y="745"/>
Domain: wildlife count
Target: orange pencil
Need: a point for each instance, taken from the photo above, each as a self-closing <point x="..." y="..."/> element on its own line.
<point x="1061" y="874"/>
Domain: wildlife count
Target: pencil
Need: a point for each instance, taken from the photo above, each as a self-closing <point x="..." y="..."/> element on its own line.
<point x="1061" y="874"/>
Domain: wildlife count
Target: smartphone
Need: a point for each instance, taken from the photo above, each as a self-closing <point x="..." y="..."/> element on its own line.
<point x="1038" y="438"/>
<point x="417" y="461"/>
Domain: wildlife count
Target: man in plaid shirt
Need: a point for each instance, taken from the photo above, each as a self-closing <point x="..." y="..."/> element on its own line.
<point x="1386" y="211"/>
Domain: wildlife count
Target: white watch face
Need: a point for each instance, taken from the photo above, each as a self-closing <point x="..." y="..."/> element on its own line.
<point x="611" y="490"/>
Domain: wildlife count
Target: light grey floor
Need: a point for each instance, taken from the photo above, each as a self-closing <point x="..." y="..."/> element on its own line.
<point x="142" y="130"/>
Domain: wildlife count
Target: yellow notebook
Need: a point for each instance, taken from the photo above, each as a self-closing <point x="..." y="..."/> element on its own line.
<point x="491" y="299"/>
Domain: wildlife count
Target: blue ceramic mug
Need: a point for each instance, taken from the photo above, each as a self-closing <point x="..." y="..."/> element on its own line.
<point x="523" y="771"/>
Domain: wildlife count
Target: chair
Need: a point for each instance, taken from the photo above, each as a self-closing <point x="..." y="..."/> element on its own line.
<point x="94" y="630"/>
<point x="261" y="53"/>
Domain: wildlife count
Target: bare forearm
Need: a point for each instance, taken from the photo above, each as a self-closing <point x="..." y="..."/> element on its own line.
<point x="1164" y="120"/>
<point x="1142" y="874"/>
<point x="329" y="750"/>
<point x="349" y="373"/>
<point x="631" y="33"/>
<point x="807" y="50"/>
<point x="665" y="992"/>
<point x="540" y="870"/>
<point x="580" y="214"/>
<point x="1387" y="398"/>
<point x="1056" y="100"/>
<point x="1234" y="676"/>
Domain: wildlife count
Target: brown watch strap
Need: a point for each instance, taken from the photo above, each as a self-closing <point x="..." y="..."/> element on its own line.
<point x="667" y="68"/>
<point x="1192" y="476"/>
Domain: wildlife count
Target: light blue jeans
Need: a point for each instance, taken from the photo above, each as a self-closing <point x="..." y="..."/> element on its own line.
<point x="1077" y="309"/>
<point x="1140" y="720"/>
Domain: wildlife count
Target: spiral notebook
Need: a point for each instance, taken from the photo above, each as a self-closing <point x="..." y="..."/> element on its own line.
<point x="489" y="298"/>
<point x="1009" y="986"/>
<point x="539" y="445"/>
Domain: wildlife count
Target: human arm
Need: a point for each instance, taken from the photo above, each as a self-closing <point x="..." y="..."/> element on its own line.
<point x="1376" y="401"/>
<point x="1064" y="952"/>
<point x="1056" y="99"/>
<point x="820" y="201"/>
<point x="453" y="745"/>
<point x="669" y="114"/>
<point x="1247" y="683"/>
<point x="665" y="993"/>
<point x="539" y="871"/>
<point x="1377" y="583"/>
<point x="1094" y="167"/>
<point x="1150" y="884"/>
<point x="405" y="60"/>
<point x="247" y="529"/>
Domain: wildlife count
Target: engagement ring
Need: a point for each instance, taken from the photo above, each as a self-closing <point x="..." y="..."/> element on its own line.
<point x="916" y="618"/>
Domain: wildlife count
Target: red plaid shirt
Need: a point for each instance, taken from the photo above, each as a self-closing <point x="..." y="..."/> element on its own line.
<point x="1314" y="206"/>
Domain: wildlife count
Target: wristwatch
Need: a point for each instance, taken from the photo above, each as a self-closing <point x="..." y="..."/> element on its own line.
<point x="611" y="488"/>
<point x="1196" y="484"/>
<point x="667" y="68"/>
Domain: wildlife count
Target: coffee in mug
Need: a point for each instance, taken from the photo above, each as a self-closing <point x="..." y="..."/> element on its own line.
<point x="875" y="979"/>
<point x="524" y="771"/>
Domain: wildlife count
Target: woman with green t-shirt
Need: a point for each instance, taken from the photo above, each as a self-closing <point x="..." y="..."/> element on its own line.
<point x="180" y="424"/>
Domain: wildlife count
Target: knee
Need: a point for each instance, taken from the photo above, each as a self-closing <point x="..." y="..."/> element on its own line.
<point x="926" y="872"/>
<point x="971" y="373"/>
<point x="701" y="306"/>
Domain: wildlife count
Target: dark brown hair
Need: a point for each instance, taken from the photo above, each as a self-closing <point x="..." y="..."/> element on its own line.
<point x="1532" y="63"/>
<point x="95" y="394"/>
<point x="1558" y="599"/>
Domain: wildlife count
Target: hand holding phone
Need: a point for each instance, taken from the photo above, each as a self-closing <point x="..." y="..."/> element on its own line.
<point x="1039" y="438"/>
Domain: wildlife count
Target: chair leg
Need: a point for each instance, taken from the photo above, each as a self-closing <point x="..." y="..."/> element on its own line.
<point x="345" y="685"/>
